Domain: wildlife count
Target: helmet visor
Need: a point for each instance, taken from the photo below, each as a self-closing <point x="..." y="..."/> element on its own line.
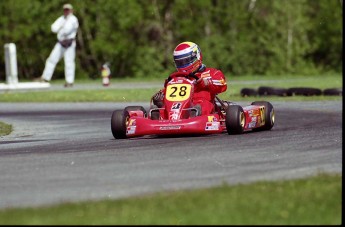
<point x="185" y="60"/>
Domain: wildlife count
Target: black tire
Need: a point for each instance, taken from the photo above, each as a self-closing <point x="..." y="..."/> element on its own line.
<point x="135" y="108"/>
<point x="246" y="92"/>
<point x="280" y="91"/>
<point x="235" y="119"/>
<point x="272" y="91"/>
<point x="265" y="90"/>
<point x="119" y="120"/>
<point x="269" y="115"/>
<point x="333" y="92"/>
<point x="305" y="91"/>
<point x="154" y="113"/>
<point x="197" y="112"/>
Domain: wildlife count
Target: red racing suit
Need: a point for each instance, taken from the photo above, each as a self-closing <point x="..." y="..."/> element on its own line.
<point x="211" y="82"/>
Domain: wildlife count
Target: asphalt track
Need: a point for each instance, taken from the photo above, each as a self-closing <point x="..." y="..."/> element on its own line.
<point x="63" y="152"/>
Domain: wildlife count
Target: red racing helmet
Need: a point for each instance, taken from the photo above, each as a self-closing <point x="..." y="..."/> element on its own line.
<point x="187" y="57"/>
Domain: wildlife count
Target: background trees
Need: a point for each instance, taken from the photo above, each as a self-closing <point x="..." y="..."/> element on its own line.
<point x="137" y="37"/>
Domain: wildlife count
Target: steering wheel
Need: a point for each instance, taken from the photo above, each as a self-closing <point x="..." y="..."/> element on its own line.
<point x="181" y="74"/>
<point x="193" y="76"/>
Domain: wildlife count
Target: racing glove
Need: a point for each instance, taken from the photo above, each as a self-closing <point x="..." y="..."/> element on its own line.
<point x="158" y="98"/>
<point x="203" y="82"/>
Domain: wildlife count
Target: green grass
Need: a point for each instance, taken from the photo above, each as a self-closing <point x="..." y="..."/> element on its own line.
<point x="235" y="84"/>
<point x="5" y="129"/>
<point x="130" y="95"/>
<point x="133" y="95"/>
<point x="310" y="201"/>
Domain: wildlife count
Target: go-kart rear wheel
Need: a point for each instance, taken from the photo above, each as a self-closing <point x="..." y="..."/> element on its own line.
<point x="269" y="115"/>
<point x="136" y="108"/>
<point x="235" y="119"/>
<point x="119" y="121"/>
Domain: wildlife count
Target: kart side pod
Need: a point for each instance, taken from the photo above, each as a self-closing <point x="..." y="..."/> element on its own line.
<point x="256" y="117"/>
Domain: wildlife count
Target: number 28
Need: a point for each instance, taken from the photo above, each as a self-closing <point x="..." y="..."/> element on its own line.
<point x="178" y="92"/>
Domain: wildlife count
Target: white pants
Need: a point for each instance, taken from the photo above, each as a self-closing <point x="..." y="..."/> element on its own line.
<point x="57" y="53"/>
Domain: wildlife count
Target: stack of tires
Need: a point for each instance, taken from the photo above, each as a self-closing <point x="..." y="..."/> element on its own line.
<point x="303" y="91"/>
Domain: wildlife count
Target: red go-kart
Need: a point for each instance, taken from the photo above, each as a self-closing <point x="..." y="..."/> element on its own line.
<point x="179" y="116"/>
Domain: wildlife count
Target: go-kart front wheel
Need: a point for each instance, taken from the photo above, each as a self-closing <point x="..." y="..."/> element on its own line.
<point x="235" y="119"/>
<point x="119" y="120"/>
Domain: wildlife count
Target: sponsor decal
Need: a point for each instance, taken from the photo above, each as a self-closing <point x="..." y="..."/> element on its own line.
<point x="251" y="124"/>
<point x="176" y="106"/>
<point x="168" y="121"/>
<point x="262" y="114"/>
<point x="174" y="115"/>
<point x="211" y="119"/>
<point x="254" y="112"/>
<point x="261" y="122"/>
<point x="212" y="126"/>
<point x="254" y="119"/>
<point x="132" y="122"/>
<point x="176" y="82"/>
<point x="205" y="74"/>
<point x="219" y="82"/>
<point x="131" y="130"/>
<point x="171" y="127"/>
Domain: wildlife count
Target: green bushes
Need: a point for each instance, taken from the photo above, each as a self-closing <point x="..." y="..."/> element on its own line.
<point x="138" y="36"/>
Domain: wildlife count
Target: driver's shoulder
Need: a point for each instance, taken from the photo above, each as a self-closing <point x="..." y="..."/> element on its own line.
<point x="208" y="70"/>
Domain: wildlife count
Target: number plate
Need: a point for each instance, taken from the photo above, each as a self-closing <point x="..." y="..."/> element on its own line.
<point x="178" y="92"/>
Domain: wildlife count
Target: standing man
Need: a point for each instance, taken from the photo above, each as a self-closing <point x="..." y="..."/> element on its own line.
<point x="66" y="27"/>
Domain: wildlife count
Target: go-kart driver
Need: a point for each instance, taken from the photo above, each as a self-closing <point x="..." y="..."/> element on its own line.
<point x="188" y="61"/>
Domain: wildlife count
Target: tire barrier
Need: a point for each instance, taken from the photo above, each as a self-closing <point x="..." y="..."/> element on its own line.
<point x="333" y="91"/>
<point x="245" y="92"/>
<point x="305" y="91"/>
<point x="272" y="91"/>
<point x="302" y="91"/>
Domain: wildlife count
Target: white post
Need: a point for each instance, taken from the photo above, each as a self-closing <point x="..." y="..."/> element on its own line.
<point x="11" y="63"/>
